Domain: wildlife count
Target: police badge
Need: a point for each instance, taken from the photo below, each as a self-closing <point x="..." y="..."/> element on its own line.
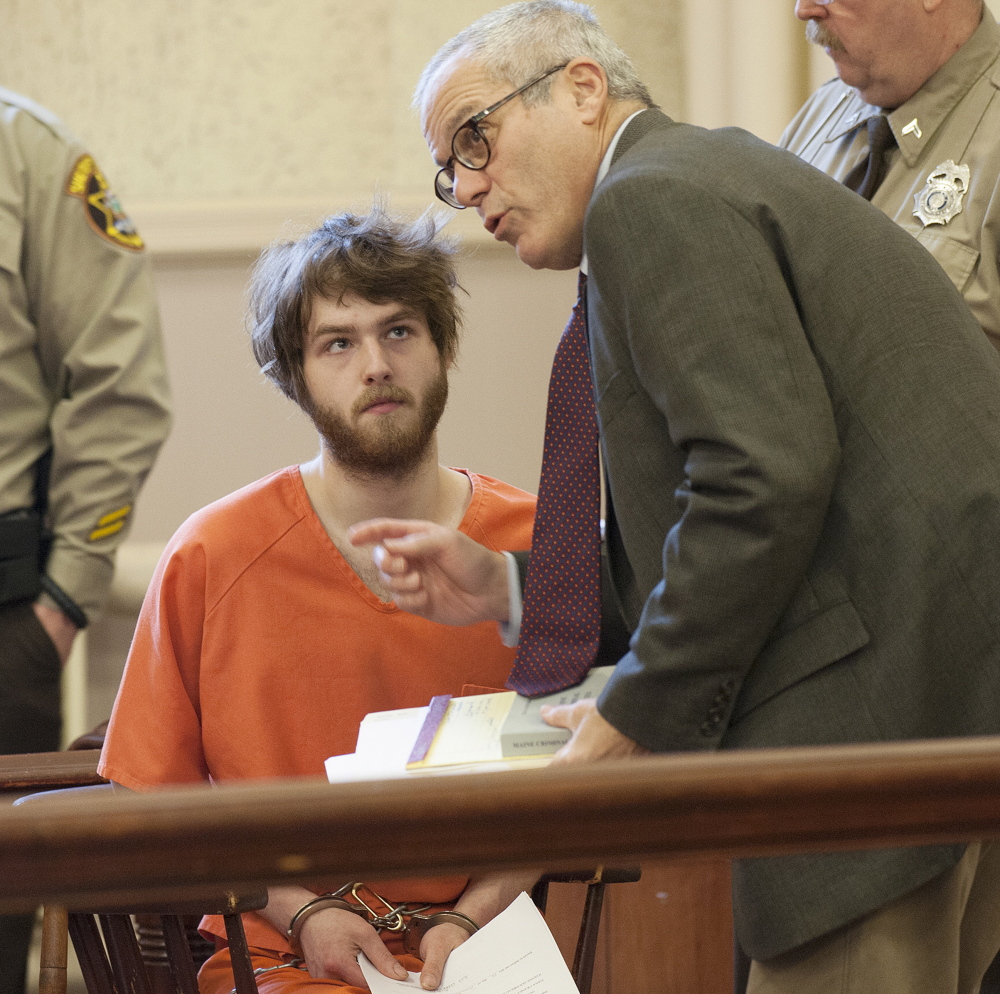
<point x="941" y="199"/>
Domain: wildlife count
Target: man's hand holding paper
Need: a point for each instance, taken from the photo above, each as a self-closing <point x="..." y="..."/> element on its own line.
<point x="515" y="952"/>
<point x="483" y="899"/>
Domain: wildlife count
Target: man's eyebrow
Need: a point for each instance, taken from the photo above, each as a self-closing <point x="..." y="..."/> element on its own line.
<point x="460" y="117"/>
<point x="454" y="123"/>
<point x="332" y="328"/>
<point x="403" y="314"/>
<point x="329" y="328"/>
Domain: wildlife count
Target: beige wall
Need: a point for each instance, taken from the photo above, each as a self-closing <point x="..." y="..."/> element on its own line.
<point x="747" y="64"/>
<point x="215" y="100"/>
<point x="266" y="102"/>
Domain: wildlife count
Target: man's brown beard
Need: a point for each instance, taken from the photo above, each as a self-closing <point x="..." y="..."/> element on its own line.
<point x="385" y="447"/>
<point x="820" y="34"/>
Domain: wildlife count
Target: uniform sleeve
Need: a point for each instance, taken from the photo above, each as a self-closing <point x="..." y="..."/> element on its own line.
<point x="154" y="737"/>
<point x="101" y="379"/>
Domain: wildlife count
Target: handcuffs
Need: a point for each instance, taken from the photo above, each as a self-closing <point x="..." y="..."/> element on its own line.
<point x="401" y="919"/>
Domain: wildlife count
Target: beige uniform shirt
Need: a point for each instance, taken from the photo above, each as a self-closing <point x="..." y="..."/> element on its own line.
<point x="81" y="357"/>
<point x="955" y="116"/>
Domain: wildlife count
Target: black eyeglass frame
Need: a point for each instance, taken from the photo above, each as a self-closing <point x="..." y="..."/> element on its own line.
<point x="447" y="171"/>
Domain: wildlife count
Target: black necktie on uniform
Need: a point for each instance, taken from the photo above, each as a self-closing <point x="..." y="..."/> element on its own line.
<point x="866" y="177"/>
<point x="561" y="624"/>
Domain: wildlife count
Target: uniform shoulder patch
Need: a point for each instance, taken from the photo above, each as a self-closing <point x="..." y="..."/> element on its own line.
<point x="105" y="213"/>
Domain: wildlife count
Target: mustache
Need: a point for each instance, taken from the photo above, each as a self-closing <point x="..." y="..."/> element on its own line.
<point x="819" y="34"/>
<point x="380" y="395"/>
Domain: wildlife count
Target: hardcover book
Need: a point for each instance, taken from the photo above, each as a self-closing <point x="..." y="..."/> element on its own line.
<point x="496" y="727"/>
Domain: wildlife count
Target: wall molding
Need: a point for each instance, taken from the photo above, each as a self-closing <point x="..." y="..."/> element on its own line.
<point x="243" y="228"/>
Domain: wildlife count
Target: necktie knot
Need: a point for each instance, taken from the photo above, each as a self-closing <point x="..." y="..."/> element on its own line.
<point x="866" y="177"/>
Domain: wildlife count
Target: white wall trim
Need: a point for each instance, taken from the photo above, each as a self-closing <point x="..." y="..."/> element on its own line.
<point x="245" y="227"/>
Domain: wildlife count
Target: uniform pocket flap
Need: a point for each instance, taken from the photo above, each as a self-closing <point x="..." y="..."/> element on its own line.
<point x="818" y="642"/>
<point x="956" y="259"/>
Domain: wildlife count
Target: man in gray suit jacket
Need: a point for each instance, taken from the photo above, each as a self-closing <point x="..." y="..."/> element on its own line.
<point x="800" y="425"/>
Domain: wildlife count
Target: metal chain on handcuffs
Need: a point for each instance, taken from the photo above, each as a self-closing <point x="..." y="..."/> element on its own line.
<point x="401" y="919"/>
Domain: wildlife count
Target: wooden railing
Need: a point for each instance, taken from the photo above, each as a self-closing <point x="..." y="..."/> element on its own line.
<point x="49" y="770"/>
<point x="179" y="842"/>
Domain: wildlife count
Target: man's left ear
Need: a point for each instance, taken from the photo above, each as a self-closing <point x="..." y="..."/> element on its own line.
<point x="589" y="87"/>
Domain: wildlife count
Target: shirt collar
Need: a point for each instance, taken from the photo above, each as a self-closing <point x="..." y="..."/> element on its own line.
<point x="915" y="122"/>
<point x="606" y="166"/>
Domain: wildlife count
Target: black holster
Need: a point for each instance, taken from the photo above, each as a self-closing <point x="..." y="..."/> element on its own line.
<point x="23" y="548"/>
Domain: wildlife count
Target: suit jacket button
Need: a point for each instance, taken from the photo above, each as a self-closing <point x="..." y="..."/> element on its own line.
<point x="725" y="693"/>
<point x="708" y="728"/>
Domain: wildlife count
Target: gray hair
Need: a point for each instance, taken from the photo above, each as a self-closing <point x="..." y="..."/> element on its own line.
<point x="522" y="40"/>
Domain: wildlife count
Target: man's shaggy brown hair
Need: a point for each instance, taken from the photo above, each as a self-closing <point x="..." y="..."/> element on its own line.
<point x="378" y="257"/>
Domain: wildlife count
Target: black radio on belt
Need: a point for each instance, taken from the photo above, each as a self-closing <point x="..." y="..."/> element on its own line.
<point x="22" y="545"/>
<point x="25" y="543"/>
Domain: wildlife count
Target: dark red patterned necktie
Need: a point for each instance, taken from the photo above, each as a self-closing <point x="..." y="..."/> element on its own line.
<point x="561" y="623"/>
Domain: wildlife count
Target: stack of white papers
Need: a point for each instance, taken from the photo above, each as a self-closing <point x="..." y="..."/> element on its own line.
<point x="385" y="741"/>
<point x="513" y="954"/>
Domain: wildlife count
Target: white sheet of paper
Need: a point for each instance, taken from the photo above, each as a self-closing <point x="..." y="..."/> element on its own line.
<point x="385" y="741"/>
<point x="513" y="954"/>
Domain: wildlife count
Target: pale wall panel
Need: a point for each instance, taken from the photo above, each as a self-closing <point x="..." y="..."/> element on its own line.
<point x="767" y="67"/>
<point x="210" y="100"/>
<point x="746" y="64"/>
<point x="652" y="33"/>
<point x="204" y="99"/>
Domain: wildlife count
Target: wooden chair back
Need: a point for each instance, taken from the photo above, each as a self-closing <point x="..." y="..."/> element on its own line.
<point x="590" y="920"/>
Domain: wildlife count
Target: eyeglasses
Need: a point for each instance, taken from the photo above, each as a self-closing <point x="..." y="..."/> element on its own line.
<point x="470" y="148"/>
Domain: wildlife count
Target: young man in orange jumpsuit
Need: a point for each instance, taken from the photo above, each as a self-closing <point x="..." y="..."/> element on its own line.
<point x="266" y="636"/>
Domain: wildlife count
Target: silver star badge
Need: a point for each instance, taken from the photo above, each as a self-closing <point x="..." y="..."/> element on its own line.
<point x="941" y="198"/>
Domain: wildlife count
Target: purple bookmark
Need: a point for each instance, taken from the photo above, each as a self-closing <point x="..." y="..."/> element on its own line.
<point x="435" y="714"/>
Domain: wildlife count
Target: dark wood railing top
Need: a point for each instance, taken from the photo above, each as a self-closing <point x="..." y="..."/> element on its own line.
<point x="178" y="843"/>
<point x="49" y="770"/>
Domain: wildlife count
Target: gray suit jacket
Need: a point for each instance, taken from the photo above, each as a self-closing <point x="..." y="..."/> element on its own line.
<point x="801" y="430"/>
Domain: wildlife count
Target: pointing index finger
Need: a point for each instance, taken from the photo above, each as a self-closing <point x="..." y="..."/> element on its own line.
<point x="376" y="530"/>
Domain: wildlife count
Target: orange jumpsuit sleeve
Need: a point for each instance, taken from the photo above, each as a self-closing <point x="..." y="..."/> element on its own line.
<point x="154" y="737"/>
